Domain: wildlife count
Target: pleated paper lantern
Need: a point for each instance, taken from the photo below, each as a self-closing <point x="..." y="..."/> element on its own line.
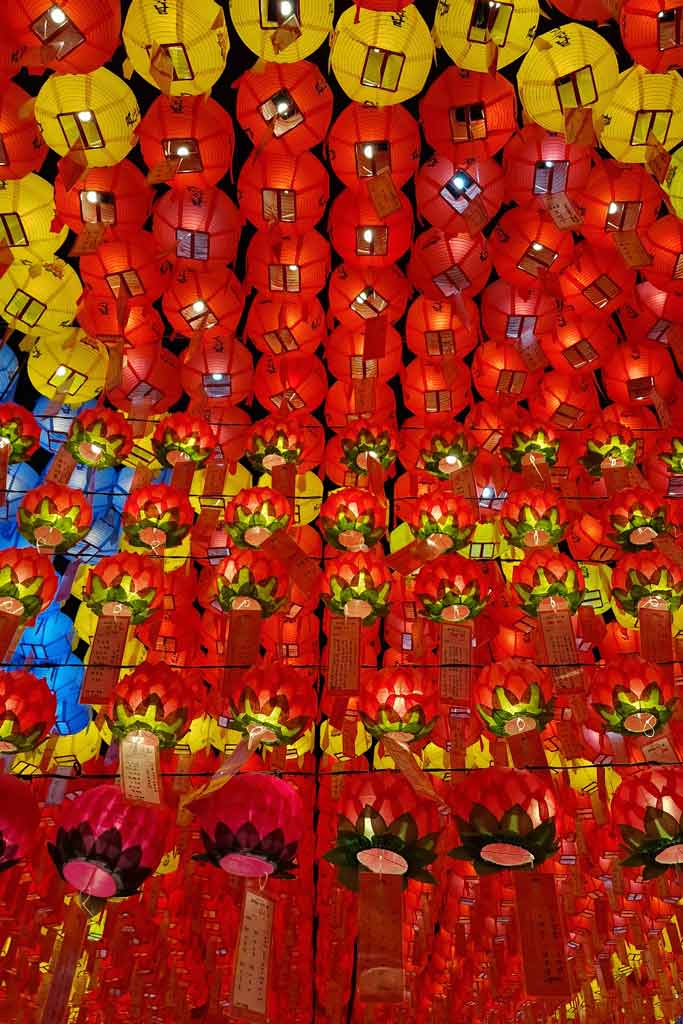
<point x="526" y="246"/>
<point x="472" y="31"/>
<point x="195" y="301"/>
<point x="195" y="131"/>
<point x="647" y="812"/>
<point x="641" y="575"/>
<point x="564" y="400"/>
<point x="539" y="164"/>
<point x="254" y="515"/>
<point x="28" y="583"/>
<point x="180" y="46"/>
<point x="20" y="430"/>
<point x="54" y="517"/>
<point x="459" y="197"/>
<point x="283" y="193"/>
<point x="439" y="328"/>
<point x="248" y="580"/>
<point x="642" y="106"/>
<point x="290" y="266"/>
<point x="579" y="345"/>
<point x="75" y="37"/>
<point x="150" y="382"/>
<point x="464" y="114"/>
<point x="651" y="32"/>
<point x="427" y="391"/>
<point x="182" y="437"/>
<point x="584" y="10"/>
<point x="283" y="105"/>
<point x="344" y="354"/>
<point x="198" y="228"/>
<point x="95" y="115"/>
<point x="452" y="588"/>
<point x="500" y="374"/>
<point x="364" y="238"/>
<point x="352" y="519"/>
<point x="634" y="372"/>
<point x="360" y="439"/>
<point x="514" y="696"/>
<point x="42" y="305"/>
<point x="365" y="141"/>
<point x="285" y="30"/>
<point x="445" y="266"/>
<point x="280" y="440"/>
<point x="22" y="149"/>
<point x="217" y="367"/>
<point x="278" y="327"/>
<point x="399" y="700"/>
<point x="653" y="314"/>
<point x="68" y="365"/>
<point x="290" y="382"/>
<point x="131" y="270"/>
<point x="116" y="197"/>
<point x="357" y="586"/>
<point x="617" y="198"/>
<point x="27" y="711"/>
<point x="511" y="312"/>
<point x="27" y="210"/>
<point x="19" y="821"/>
<point x="139" y="325"/>
<point x="664" y="242"/>
<point x="100" y="438"/>
<point x="154" y="698"/>
<point x="595" y="286"/>
<point x="156" y="517"/>
<point x="382" y="58"/>
<point x="358" y="294"/>
<point x="566" y="69"/>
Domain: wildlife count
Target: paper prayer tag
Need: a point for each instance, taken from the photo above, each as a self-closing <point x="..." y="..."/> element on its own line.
<point x="343" y="668"/>
<point x="106" y="655"/>
<point x="252" y="959"/>
<point x="140" y="773"/>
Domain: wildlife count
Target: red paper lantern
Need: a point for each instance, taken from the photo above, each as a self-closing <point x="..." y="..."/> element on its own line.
<point x="446" y="266"/>
<point x="540" y="164"/>
<point x="429" y="391"/>
<point x="579" y="345"/>
<point x="594" y="286"/>
<point x="54" y="517"/>
<point x="452" y="589"/>
<point x="217" y="367"/>
<point x="526" y="247"/>
<point x="252" y="827"/>
<point x="362" y="237"/>
<point x="440" y="449"/>
<point x="284" y="106"/>
<point x="641" y="574"/>
<point x="635" y="517"/>
<point x="81" y="37"/>
<point x="345" y="403"/>
<point x="22" y="148"/>
<point x="651" y="32"/>
<point x="440" y="328"/>
<point x="19" y="429"/>
<point x="652" y="314"/>
<point x="276" y="703"/>
<point x="534" y="518"/>
<point x="584" y="10"/>
<point x="352" y="519"/>
<point x="359" y="439"/>
<point x="664" y="241"/>
<point x="544" y="576"/>
<point x="182" y="437"/>
<point x="106" y="846"/>
<point x="28" y="583"/>
<point x="399" y="701"/>
<point x="289" y="266"/>
<point x="19" y="821"/>
<point x="150" y="382"/>
<point x="158" y="699"/>
<point x="199" y="301"/>
<point x="231" y="427"/>
<point x="345" y="355"/>
<point x="199" y="228"/>
<point x="487" y="422"/>
<point x="647" y="812"/>
<point x="280" y="440"/>
<point x="279" y="327"/>
<point x="444" y="519"/>
<point x="282" y="193"/>
<point x="116" y="197"/>
<point x="465" y="114"/>
<point x="513" y="696"/>
<point x="131" y="270"/>
<point x="195" y="131"/>
<point x="617" y="197"/>
<point x="461" y="196"/>
<point x="357" y="585"/>
<point x="524" y="436"/>
<point x="255" y="514"/>
<point x="630" y="696"/>
<point x="500" y="374"/>
<point x="359" y="294"/>
<point x="565" y="400"/>
<point x="27" y="711"/>
<point x="366" y="141"/>
<point x="633" y="373"/>
<point x="139" y="325"/>
<point x="511" y="312"/>
<point x="129" y="579"/>
<point x="247" y="580"/>
<point x="156" y="516"/>
<point x="292" y="382"/>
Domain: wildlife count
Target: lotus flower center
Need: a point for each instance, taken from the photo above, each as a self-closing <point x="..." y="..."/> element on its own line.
<point x="245" y="604"/>
<point x="455" y="613"/>
<point x="536" y="539"/>
<point x="153" y="537"/>
<point x="48" y="537"/>
<point x="641" y="721"/>
<point x="11" y="606"/>
<point x="506" y="855"/>
<point x="89" y="451"/>
<point x="356" y="608"/>
<point x="255" y="536"/>
<point x="440" y="541"/>
<point x="362" y="459"/>
<point x="260" y="734"/>
<point x="273" y="460"/>
<point x="175" y="456"/>
<point x="6" y="747"/>
<point x="246" y="865"/>
<point x="382" y="862"/>
<point x="642" y="535"/>
<point x="90" y="878"/>
<point x="520" y="724"/>
<point x="671" y="855"/>
<point x="351" y="539"/>
<point x="449" y="464"/>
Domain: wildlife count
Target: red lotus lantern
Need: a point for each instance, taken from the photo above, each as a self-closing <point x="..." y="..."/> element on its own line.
<point x="217" y="367"/>
<point x="642" y="576"/>
<point x="446" y="266"/>
<point x="357" y="586"/>
<point x="247" y="580"/>
<point x="19" y="821"/>
<point x="289" y="266"/>
<point x="115" y="327"/>
<point x="442" y="449"/>
<point x="290" y="383"/>
<point x="579" y="345"/>
<point x="564" y="400"/>
<point x="285" y="106"/>
<point x="19" y="432"/>
<point x="283" y="193"/>
<point x="607" y="441"/>
<point x="595" y="287"/>
<point x="364" y="238"/>
<point x="617" y="198"/>
<point x="647" y="812"/>
<point x="528" y="445"/>
<point x="651" y="32"/>
<point x="255" y="514"/>
<point x="534" y="518"/>
<point x="285" y="440"/>
<point x="131" y="270"/>
<point x="99" y="437"/>
<point x="636" y="517"/>
<point x="514" y="696"/>
<point x="432" y="389"/>
<point x="443" y="518"/>
<point x="631" y="697"/>
<point x="359" y="441"/>
<point x="27" y="711"/>
<point x="500" y="374"/>
<point x="181" y="437"/>
<point x="359" y="294"/>
<point x="106" y="846"/>
<point x="516" y="313"/>
<point x="287" y="326"/>
<point x="199" y="228"/>
<point x="252" y="827"/>
<point x="195" y="301"/>
<point x="527" y="248"/>
<point x="352" y="519"/>
<point x="367" y="141"/>
<point x="275" y="705"/>
<point x="452" y="588"/>
<point x="77" y="37"/>
<point x="54" y="517"/>
<point x="150" y="382"/>
<point x="156" y="699"/>
<point x="127" y="579"/>
<point x="637" y="373"/>
<point x="399" y="702"/>
<point x="195" y="134"/>
<point x="467" y="114"/>
<point x="156" y="516"/>
<point x="540" y="164"/>
<point x="115" y="197"/>
<point x="27" y="584"/>
<point x="664" y="242"/>
<point x="21" y="143"/>
<point x="545" y="578"/>
<point x="345" y="355"/>
<point x="439" y="328"/>
<point x="461" y="196"/>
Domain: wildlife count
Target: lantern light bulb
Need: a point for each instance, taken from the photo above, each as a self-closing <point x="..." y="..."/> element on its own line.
<point x="85" y="115"/>
<point x="91" y="196"/>
<point x="367" y="235"/>
<point x="182" y="151"/>
<point x="536" y="246"/>
<point x="368" y="151"/>
<point x="451" y="460"/>
<point x="199" y="306"/>
<point x="286" y="8"/>
<point x="362" y="297"/>
<point x="459" y="181"/>
<point x="216" y="376"/>
<point x="487" y="492"/>
<point x="60" y="371"/>
<point x="57" y="16"/>
<point x="612" y="208"/>
<point x="282" y="108"/>
<point x="549" y="163"/>
<point x="292" y="267"/>
<point x="95" y="448"/>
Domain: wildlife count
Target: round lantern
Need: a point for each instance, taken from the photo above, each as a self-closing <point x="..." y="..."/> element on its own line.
<point x="428" y="390"/>
<point x="526" y="437"/>
<point x="516" y="313"/>
<point x="636" y="517"/>
<point x="254" y="515"/>
<point x="527" y="247"/>
<point x="27" y="212"/>
<point x="181" y="48"/>
<point x="345" y="355"/>
<point x="540" y="164"/>
<point x="100" y="438"/>
<point x="605" y="437"/>
<point x="287" y="31"/>
<point x="459" y="197"/>
<point x="506" y="819"/>
<point x="399" y="702"/>
<point x="22" y="149"/>
<point x="135" y="581"/>
<point x="452" y="588"/>
<point x="640" y="575"/>
<point x="364" y="238"/>
<point x="439" y="328"/>
<point x="352" y="519"/>
<point x="285" y="326"/>
<point x="544" y="575"/>
<point x="248" y="580"/>
<point x="500" y="374"/>
<point x="289" y="266"/>
<point x="475" y="35"/>
<point x="252" y="827"/>
<point x="514" y="696"/>
<point x="182" y="437"/>
<point x="19" y="429"/>
<point x="285" y="440"/>
<point x="647" y="811"/>
<point x="157" y="699"/>
<point x="292" y="382"/>
<point x="633" y="373"/>
<point x="445" y="266"/>
<point x="150" y="382"/>
<point x="39" y="305"/>
<point x="366" y="141"/>
<point x="357" y="586"/>
<point x="28" y="583"/>
<point x="95" y="115"/>
<point x="653" y="313"/>
<point x="441" y="449"/>
<point x="195" y="131"/>
<point x="650" y="31"/>
<point x="347" y="402"/>
<point x="67" y="365"/>
<point x="579" y="345"/>
<point x="106" y="846"/>
<point x="284" y="106"/>
<point x="468" y="115"/>
<point x="275" y="704"/>
<point x="444" y="519"/>
<point x="374" y="437"/>
<point x="631" y="696"/>
<point x="361" y="293"/>
<point x="131" y="270"/>
<point x="664" y="241"/>
<point x="19" y="821"/>
<point x="594" y="285"/>
<point x="642" y="106"/>
<point x="203" y="301"/>
<point x="564" y="400"/>
<point x="116" y="197"/>
<point x="567" y="68"/>
<point x="116" y="327"/>
<point x="199" y="228"/>
<point x="156" y="516"/>
<point x="285" y="193"/>
<point x="534" y="518"/>
<point x="54" y="517"/>
<point x="382" y="58"/>
<point x="584" y="10"/>
<point x="617" y="198"/>
<point x="75" y="37"/>
<point x="27" y="711"/>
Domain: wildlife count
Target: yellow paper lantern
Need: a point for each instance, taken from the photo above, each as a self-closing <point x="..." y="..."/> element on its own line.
<point x="567" y="68"/>
<point x="673" y="183"/>
<point x="39" y="299"/>
<point x="27" y="209"/>
<point x="70" y="366"/>
<point x="94" y="116"/>
<point x="642" y="105"/>
<point x="178" y="45"/>
<point x="282" y="31"/>
<point x="383" y="58"/>
<point x="478" y="33"/>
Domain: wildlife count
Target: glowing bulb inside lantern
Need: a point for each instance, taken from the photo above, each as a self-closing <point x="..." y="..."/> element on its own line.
<point x="182" y="151"/>
<point x="91" y="196"/>
<point x="199" y="306"/>
<point x="368" y="151"/>
<point x="286" y="8"/>
<point x="292" y="267"/>
<point x="60" y="371"/>
<point x="282" y="108"/>
<point x="536" y="246"/>
<point x="85" y="115"/>
<point x="451" y="460"/>
<point x="95" y="448"/>
<point x="487" y="492"/>
<point x="57" y="16"/>
<point x="612" y="208"/>
<point x="216" y="376"/>
<point x="549" y="163"/>
<point x="459" y="181"/>
<point x="361" y="298"/>
<point x="367" y="235"/>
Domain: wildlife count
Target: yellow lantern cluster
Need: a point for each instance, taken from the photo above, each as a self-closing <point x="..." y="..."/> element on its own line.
<point x="39" y="300"/>
<point x="68" y="366"/>
<point x="642" y="107"/>
<point x="282" y="31"/>
<point x="27" y="209"/>
<point x="479" y="33"/>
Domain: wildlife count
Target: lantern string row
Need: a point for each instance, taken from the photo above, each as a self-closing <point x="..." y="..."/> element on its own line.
<point x="37" y="663"/>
